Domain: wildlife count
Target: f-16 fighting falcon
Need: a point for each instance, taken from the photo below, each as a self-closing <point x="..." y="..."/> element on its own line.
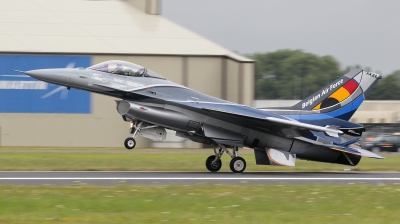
<point x="315" y="129"/>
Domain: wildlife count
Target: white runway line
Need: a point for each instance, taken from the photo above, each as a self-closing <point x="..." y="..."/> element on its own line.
<point x="188" y="178"/>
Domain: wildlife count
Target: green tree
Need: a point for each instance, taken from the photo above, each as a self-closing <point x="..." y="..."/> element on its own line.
<point x="386" y="89"/>
<point x="292" y="74"/>
<point x="396" y="74"/>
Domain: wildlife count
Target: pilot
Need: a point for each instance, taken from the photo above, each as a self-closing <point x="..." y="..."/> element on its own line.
<point x="116" y="69"/>
<point x="112" y="68"/>
<point x="127" y="71"/>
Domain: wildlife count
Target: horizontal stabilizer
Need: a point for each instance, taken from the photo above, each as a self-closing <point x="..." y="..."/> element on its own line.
<point x="358" y="152"/>
<point x="343" y="148"/>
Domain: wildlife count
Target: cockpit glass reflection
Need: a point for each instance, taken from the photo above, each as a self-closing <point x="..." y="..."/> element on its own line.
<point x="125" y="68"/>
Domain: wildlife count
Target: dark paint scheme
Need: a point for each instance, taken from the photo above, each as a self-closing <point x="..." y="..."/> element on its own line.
<point x="316" y="128"/>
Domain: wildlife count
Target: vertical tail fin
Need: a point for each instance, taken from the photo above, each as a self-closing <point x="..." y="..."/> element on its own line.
<point x="342" y="97"/>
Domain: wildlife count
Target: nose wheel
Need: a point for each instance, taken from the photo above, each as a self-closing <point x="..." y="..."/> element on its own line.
<point x="130" y="143"/>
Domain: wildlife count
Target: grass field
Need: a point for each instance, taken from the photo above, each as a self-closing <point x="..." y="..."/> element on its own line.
<point x="157" y="159"/>
<point x="200" y="204"/>
<point x="240" y="203"/>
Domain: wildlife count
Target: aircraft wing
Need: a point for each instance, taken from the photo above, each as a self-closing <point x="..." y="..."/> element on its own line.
<point x="331" y="131"/>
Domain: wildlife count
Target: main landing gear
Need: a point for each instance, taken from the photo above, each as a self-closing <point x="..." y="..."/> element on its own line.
<point x="237" y="164"/>
<point x="130" y="142"/>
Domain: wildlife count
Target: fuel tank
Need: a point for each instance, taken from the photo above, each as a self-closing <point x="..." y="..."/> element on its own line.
<point x="157" y="115"/>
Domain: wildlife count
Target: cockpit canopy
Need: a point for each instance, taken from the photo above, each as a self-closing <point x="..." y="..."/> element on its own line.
<point x="125" y="68"/>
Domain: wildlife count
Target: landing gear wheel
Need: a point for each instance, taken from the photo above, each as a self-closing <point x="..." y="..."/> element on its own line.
<point x="213" y="167"/>
<point x="238" y="165"/>
<point x="130" y="143"/>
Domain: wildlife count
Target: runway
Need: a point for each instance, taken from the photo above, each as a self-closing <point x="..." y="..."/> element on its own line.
<point x="201" y="178"/>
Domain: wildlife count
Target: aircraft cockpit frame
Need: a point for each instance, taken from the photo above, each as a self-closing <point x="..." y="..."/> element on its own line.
<point x="124" y="68"/>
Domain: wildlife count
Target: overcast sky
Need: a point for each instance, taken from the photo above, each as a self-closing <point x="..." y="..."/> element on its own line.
<point x="364" y="32"/>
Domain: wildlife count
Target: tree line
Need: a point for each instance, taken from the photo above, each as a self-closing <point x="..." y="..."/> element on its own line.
<point x="294" y="74"/>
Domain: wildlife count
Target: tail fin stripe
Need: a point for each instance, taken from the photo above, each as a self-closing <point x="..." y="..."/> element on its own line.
<point x="351" y="86"/>
<point x="343" y="113"/>
<point x="339" y="96"/>
<point x="317" y="107"/>
<point x="342" y="96"/>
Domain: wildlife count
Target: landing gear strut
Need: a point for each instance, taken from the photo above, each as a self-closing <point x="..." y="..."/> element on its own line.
<point x="130" y="142"/>
<point x="237" y="164"/>
<point x="145" y="130"/>
<point x="132" y="126"/>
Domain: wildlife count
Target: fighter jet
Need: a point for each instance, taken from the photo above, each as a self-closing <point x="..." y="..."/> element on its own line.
<point x="315" y="129"/>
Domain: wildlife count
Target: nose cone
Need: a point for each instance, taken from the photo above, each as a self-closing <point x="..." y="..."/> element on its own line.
<point x="59" y="76"/>
<point x="41" y="74"/>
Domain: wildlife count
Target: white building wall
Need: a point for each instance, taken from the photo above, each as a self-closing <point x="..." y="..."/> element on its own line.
<point x="137" y="34"/>
<point x="104" y="127"/>
<point x="232" y="80"/>
<point x="204" y="75"/>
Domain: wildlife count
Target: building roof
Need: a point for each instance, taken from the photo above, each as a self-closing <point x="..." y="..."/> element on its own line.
<point x="96" y="27"/>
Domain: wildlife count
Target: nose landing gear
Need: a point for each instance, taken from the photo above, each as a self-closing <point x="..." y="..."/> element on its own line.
<point x="134" y="129"/>
<point x="146" y="130"/>
<point x="130" y="143"/>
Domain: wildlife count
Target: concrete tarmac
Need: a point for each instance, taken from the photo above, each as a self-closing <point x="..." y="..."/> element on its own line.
<point x="112" y="178"/>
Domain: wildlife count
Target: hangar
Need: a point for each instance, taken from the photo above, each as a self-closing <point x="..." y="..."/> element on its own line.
<point x="45" y="33"/>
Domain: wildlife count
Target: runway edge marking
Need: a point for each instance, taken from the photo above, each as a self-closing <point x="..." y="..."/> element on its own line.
<point x="187" y="178"/>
